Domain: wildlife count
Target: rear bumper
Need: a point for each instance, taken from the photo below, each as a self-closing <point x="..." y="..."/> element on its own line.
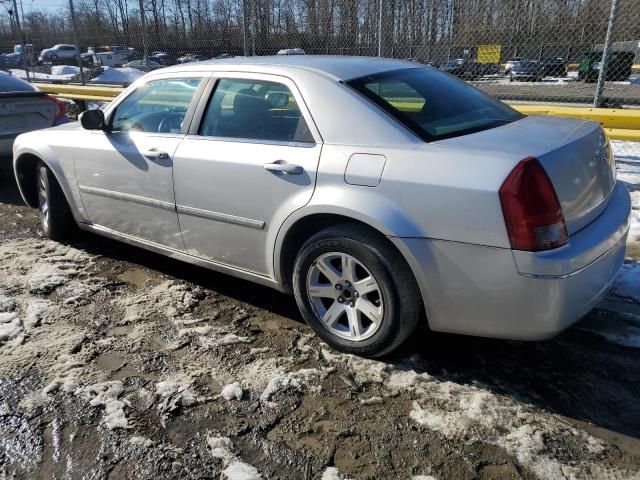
<point x="492" y="292"/>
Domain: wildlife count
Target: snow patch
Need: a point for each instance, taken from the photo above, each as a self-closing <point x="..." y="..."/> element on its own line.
<point x="140" y="441"/>
<point x="118" y="75"/>
<point x="296" y="381"/>
<point x="332" y="473"/>
<point x="232" y="391"/>
<point x="10" y="328"/>
<point x="70" y="70"/>
<point x="105" y="394"/>
<point x="69" y="370"/>
<point x="235" y="469"/>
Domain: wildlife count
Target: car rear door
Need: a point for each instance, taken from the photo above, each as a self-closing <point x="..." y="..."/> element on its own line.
<point x="249" y="161"/>
<point x="125" y="175"/>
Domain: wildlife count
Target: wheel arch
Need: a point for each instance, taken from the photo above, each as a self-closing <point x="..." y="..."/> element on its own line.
<point x="297" y="231"/>
<point x="25" y="168"/>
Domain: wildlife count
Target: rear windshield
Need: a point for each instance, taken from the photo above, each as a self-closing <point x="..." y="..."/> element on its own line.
<point x="432" y="104"/>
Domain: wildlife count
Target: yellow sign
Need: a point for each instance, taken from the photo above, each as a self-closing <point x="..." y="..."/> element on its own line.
<point x="489" y="53"/>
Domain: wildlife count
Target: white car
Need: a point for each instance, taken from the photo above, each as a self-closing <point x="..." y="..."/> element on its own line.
<point x="292" y="51"/>
<point x="380" y="192"/>
<point x="59" y="53"/>
<point x="114" y="57"/>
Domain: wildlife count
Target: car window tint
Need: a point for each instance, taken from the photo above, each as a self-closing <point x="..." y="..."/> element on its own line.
<point x="254" y="110"/>
<point x="158" y="106"/>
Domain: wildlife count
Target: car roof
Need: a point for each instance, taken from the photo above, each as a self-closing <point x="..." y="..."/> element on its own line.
<point x="339" y="67"/>
<point x="9" y="83"/>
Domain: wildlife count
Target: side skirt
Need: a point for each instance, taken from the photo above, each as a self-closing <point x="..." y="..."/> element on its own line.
<point x="184" y="257"/>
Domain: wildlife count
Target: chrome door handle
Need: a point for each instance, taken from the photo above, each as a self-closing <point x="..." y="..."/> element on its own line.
<point x="284" y="167"/>
<point x="156" y="154"/>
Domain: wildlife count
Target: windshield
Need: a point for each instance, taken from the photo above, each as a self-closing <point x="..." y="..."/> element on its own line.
<point x="432" y="104"/>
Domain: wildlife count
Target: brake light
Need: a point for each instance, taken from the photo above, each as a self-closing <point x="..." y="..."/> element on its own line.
<point x="531" y="209"/>
<point x="61" y="110"/>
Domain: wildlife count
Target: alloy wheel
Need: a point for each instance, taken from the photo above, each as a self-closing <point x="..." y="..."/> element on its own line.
<point x="43" y="203"/>
<point x="345" y="296"/>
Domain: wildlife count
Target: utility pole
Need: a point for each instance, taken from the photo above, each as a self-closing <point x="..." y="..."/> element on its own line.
<point x="145" y="48"/>
<point x="245" y="28"/>
<point x="75" y="39"/>
<point x="23" y="47"/>
<point x="380" y="28"/>
<point x="606" y="55"/>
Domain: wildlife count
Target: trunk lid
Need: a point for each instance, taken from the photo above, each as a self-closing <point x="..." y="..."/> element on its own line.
<point x="574" y="153"/>
<point x="23" y="112"/>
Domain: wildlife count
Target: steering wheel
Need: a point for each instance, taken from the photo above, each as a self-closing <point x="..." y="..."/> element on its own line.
<point x="171" y="122"/>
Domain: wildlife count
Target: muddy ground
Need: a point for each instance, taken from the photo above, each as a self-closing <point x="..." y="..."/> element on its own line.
<point x="119" y="363"/>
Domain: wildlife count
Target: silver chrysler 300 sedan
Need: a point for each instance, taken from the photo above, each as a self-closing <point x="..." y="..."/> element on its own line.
<point x="379" y="192"/>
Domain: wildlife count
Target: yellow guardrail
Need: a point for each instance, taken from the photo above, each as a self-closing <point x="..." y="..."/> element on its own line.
<point x="607" y="117"/>
<point x="619" y="124"/>
<point x="79" y="92"/>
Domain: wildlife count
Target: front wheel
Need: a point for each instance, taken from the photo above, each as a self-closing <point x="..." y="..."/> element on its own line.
<point x="356" y="291"/>
<point x="55" y="215"/>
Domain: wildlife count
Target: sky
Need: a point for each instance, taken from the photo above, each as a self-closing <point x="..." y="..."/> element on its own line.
<point x="47" y="5"/>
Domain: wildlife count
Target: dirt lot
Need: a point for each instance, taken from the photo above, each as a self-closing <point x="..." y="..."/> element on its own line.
<point x="118" y="363"/>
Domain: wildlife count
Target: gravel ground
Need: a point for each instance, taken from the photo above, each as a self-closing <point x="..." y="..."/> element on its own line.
<point x="119" y="363"/>
<point x="562" y="90"/>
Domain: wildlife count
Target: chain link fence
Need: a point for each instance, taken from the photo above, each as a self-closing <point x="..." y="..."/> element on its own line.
<point x="566" y="52"/>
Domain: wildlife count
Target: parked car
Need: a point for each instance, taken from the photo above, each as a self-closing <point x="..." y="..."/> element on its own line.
<point x="59" y="54"/>
<point x="27" y="52"/>
<point x="510" y="63"/>
<point x="163" y="58"/>
<point x="526" y="70"/>
<point x="418" y="199"/>
<point x="11" y="60"/>
<point x="462" y="68"/>
<point x="488" y="69"/>
<point x="619" y="69"/>
<point x="110" y="56"/>
<point x="291" y="51"/>
<point x="24" y="108"/>
<point x="145" y="66"/>
<point x="554" y="67"/>
<point x="191" y="58"/>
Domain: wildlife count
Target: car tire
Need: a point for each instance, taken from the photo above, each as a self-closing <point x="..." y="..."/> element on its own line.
<point x="382" y="285"/>
<point x="55" y="215"/>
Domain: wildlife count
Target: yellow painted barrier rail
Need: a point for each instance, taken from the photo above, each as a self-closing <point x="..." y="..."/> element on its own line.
<point x="620" y="124"/>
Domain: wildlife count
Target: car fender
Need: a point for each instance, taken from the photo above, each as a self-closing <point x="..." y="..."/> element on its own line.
<point x="36" y="144"/>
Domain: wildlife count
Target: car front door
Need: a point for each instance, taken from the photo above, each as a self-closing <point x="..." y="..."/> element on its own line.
<point x="125" y="174"/>
<point x="249" y="161"/>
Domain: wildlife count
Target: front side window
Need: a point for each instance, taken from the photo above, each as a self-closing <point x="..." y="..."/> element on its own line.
<point x="432" y="104"/>
<point x="158" y="106"/>
<point x="254" y="110"/>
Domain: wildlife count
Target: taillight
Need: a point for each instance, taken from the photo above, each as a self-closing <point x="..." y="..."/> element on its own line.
<point x="531" y="209"/>
<point x="61" y="110"/>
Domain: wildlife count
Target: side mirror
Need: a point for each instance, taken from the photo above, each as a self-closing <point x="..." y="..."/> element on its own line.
<point x="92" y="119"/>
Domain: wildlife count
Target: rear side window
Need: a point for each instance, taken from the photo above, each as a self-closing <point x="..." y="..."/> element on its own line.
<point x="158" y="106"/>
<point x="432" y="104"/>
<point x="254" y="110"/>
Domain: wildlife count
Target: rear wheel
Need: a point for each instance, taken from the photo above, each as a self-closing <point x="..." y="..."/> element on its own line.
<point x="356" y="291"/>
<point x="55" y="215"/>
